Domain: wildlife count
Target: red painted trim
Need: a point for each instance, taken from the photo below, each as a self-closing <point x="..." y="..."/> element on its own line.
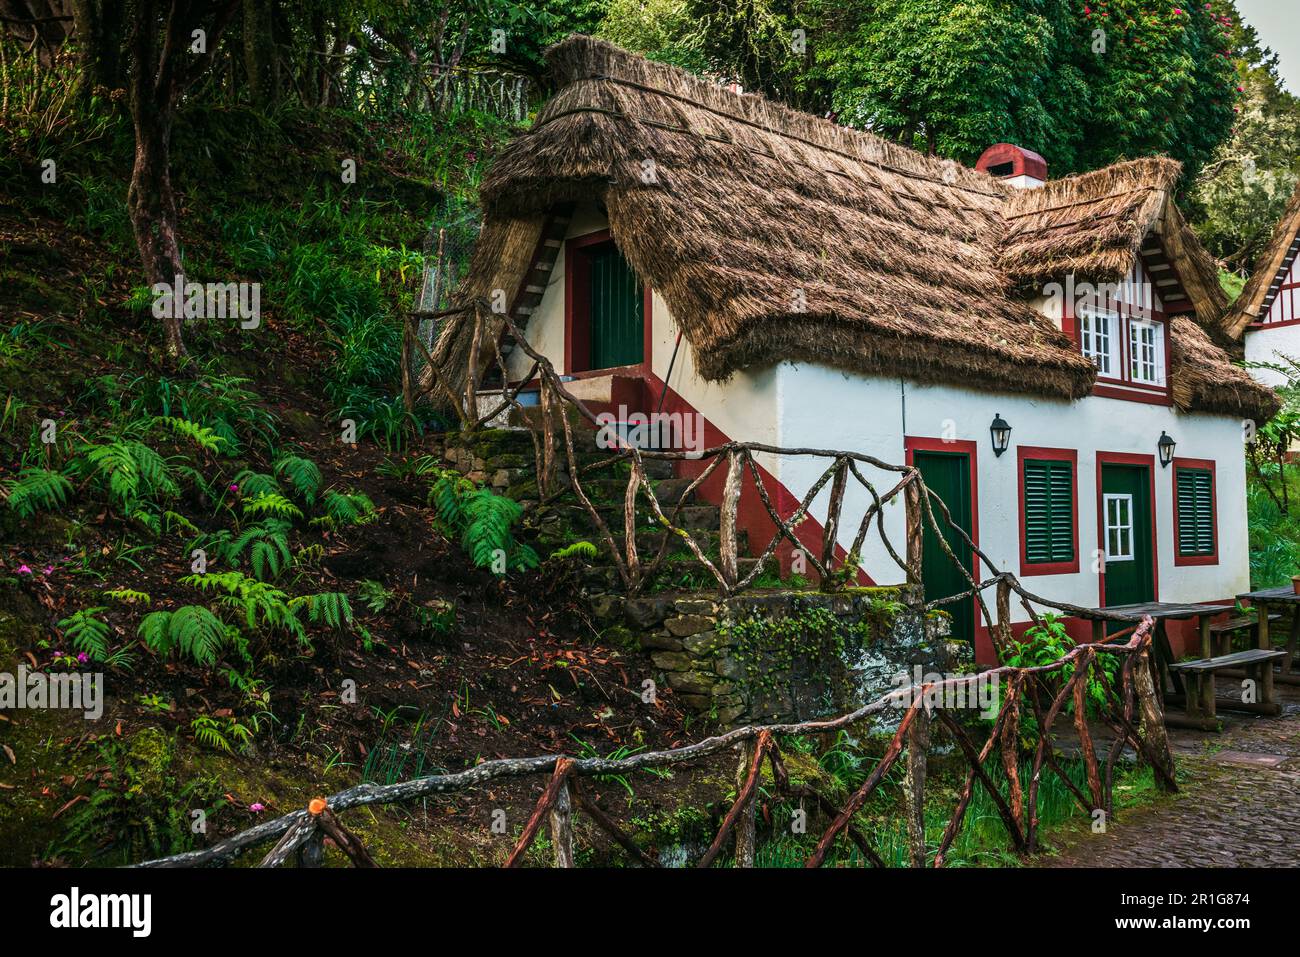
<point x="1128" y="458"/>
<point x="911" y="444"/>
<point x="577" y="309"/>
<point x="1038" y="453"/>
<point x="1259" y="325"/>
<point x="1205" y="465"/>
<point x="751" y="515"/>
<point x="1131" y="395"/>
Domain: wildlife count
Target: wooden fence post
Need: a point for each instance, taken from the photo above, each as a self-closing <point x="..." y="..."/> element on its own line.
<point x="562" y="827"/>
<point x="1004" y="637"/>
<point x="1152" y="725"/>
<point x="831" y="531"/>
<point x="408" y="397"/>
<point x="471" y="377"/>
<point x="918" y="742"/>
<point x="915" y="539"/>
<point x="730" y="502"/>
<point x="746" y="840"/>
<point x="546" y="481"/>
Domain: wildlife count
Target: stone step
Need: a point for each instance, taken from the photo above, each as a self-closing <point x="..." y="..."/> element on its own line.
<point x="648" y="542"/>
<point x="667" y="490"/>
<point x="674" y="574"/>
<point x="690" y="517"/>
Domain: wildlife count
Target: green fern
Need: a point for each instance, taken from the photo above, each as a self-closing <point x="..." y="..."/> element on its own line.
<point x="256" y="484"/>
<point x="576" y="550"/>
<point x="302" y="475"/>
<point x="37" y="490"/>
<point x="202" y="436"/>
<point x="330" y="608"/>
<point x="192" y="632"/>
<point x="129" y="471"/>
<point x="271" y="504"/>
<point x="172" y="520"/>
<point x="483" y="520"/>
<point x="265" y="545"/>
<point x="261" y="604"/>
<point x="88" y="632"/>
<point x="127" y="596"/>
<point x="348" y="508"/>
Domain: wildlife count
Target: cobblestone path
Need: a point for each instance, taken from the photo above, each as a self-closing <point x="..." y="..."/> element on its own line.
<point x="1239" y="804"/>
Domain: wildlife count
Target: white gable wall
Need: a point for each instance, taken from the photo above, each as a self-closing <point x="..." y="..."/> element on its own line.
<point x="1278" y="336"/>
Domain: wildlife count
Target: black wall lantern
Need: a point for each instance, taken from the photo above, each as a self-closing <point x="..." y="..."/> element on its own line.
<point x="1166" y="448"/>
<point x="1001" y="432"/>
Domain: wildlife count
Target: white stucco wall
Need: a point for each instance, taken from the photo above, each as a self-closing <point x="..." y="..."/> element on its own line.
<point x="824" y="408"/>
<point x="1272" y="345"/>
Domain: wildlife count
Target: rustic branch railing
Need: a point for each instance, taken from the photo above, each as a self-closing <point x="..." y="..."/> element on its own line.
<point x="299" y="835"/>
<point x="923" y="508"/>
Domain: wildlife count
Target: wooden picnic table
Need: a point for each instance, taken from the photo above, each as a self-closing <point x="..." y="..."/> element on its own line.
<point x="1267" y="598"/>
<point x="1161" y="612"/>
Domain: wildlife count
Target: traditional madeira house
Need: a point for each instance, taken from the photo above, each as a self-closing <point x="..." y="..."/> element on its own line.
<point x="1267" y="313"/>
<point x="665" y="240"/>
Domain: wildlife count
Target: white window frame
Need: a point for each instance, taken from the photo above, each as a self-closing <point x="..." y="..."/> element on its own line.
<point x="1146" y="357"/>
<point x="1099" y="345"/>
<point x="1109" y="527"/>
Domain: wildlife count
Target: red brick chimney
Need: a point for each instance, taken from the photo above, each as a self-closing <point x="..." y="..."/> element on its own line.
<point x="1020" y="167"/>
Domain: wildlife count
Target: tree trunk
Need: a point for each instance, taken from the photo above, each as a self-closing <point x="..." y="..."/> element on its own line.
<point x="151" y="205"/>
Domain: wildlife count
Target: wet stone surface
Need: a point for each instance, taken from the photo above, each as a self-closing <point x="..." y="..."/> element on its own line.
<point x="1239" y="804"/>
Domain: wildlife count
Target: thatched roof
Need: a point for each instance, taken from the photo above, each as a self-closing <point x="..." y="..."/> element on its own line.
<point x="776" y="236"/>
<point x="1257" y="296"/>
<point x="1095" y="224"/>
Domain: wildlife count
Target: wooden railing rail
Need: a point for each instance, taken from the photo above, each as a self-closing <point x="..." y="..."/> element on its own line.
<point x="299" y="834"/>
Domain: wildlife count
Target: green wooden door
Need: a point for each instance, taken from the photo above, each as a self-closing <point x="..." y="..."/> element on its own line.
<point x="1126" y="534"/>
<point x="617" y="309"/>
<point x="947" y="474"/>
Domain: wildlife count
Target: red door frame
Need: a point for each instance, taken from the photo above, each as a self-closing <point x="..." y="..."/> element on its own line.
<point x="1206" y="465"/>
<point x="577" y="311"/>
<point x="913" y="444"/>
<point x="1128" y="458"/>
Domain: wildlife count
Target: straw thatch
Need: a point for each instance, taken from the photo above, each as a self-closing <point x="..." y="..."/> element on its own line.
<point x="1256" y="298"/>
<point x="1202" y="377"/>
<point x="1093" y="225"/>
<point x="776" y="236"/>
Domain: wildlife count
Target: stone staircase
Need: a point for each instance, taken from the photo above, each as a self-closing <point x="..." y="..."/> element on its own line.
<point x="848" y="644"/>
<point x="504" y="458"/>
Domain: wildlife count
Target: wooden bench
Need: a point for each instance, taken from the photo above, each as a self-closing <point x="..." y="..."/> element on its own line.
<point x="1221" y="634"/>
<point x="1200" y="702"/>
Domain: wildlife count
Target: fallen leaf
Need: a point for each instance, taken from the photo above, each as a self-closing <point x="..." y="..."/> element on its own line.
<point x="9" y="753"/>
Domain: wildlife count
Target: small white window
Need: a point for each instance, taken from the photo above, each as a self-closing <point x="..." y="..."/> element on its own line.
<point x="1097" y="338"/>
<point x="1119" y="527"/>
<point x="1146" y="350"/>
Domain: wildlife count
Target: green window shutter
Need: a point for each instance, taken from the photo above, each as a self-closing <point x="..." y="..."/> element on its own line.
<point x="1195" y="512"/>
<point x="1049" y="511"/>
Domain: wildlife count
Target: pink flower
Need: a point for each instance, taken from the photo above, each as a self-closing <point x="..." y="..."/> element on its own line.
<point x="82" y="657"/>
<point x="24" y="570"/>
<point x="49" y="569"/>
<point x="257" y="807"/>
<point x="234" y="487"/>
<point x="1178" y="11"/>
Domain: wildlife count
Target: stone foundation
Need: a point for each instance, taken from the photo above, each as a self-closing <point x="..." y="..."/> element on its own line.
<point x="783" y="655"/>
